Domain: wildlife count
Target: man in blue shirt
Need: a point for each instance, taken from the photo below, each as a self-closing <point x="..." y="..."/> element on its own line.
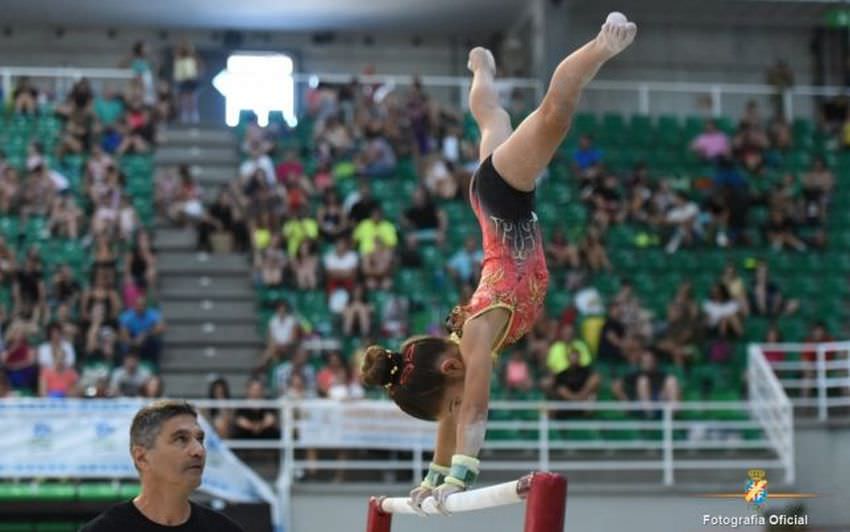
<point x="586" y="158"/>
<point x="142" y="327"/>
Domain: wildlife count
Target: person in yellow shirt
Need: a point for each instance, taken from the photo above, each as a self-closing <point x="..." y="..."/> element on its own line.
<point x="559" y="353"/>
<point x="299" y="228"/>
<point x="373" y="228"/>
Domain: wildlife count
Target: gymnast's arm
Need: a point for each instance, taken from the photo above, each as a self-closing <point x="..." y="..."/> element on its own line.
<point x="446" y="438"/>
<point x="479" y="337"/>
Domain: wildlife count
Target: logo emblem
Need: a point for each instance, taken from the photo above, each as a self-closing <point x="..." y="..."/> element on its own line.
<point x="755" y="491"/>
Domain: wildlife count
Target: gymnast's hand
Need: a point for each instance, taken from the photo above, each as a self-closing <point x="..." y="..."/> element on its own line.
<point x="417" y="497"/>
<point x="442" y="493"/>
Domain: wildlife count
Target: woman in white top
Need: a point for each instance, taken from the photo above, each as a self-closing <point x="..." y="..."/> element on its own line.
<point x="722" y="312"/>
<point x="187" y="68"/>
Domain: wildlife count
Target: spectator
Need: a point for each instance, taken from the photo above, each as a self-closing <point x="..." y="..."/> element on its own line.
<point x="153" y="388"/>
<point x="587" y="159"/>
<point x="372" y="229"/>
<point x="332" y="371"/>
<point x="341" y="266"/>
<point x="220" y="219"/>
<point x="138" y="129"/>
<point x="271" y="263"/>
<point x="424" y="221"/>
<point x="187" y="69"/>
<point x="25" y="97"/>
<point x="127" y="380"/>
<point x="65" y="289"/>
<point x="357" y="313"/>
<point x="346" y="388"/>
<point x="817" y="185"/>
<point x="143" y="70"/>
<point x="558" y="358"/>
<point x="29" y="293"/>
<point x="10" y="190"/>
<point x="283" y="333"/>
<point x="186" y="206"/>
<point x="734" y="284"/>
<point x="19" y="360"/>
<point x="378" y="267"/>
<point x="749" y="145"/>
<point x="141" y="328"/>
<point x="59" y="378"/>
<point x="64" y="218"/>
<point x="780" y="231"/>
<point x="592" y="250"/>
<point x="333" y="221"/>
<point x="465" y="265"/>
<point x="647" y="384"/>
<point x="560" y="252"/>
<point x="6" y="390"/>
<point x="299" y="364"/>
<point x="305" y="266"/>
<point x="612" y="337"/>
<point x="683" y="217"/>
<point x="766" y="298"/>
<point x="817" y="335"/>
<point x="722" y="313"/>
<point x="256" y="423"/>
<point x="101" y="304"/>
<point x="360" y="204"/>
<point x="221" y="418"/>
<point x="128" y="219"/>
<point x="517" y="376"/>
<point x="140" y="261"/>
<point x="301" y="228"/>
<point x="8" y="267"/>
<point x="378" y="159"/>
<point x="55" y="345"/>
<point x="578" y="382"/>
<point x="395" y="316"/>
<point x="439" y="178"/>
<point x="679" y="336"/>
<point x="773" y="336"/>
<point x="712" y="143"/>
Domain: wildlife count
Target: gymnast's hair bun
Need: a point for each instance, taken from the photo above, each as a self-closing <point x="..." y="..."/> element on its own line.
<point x="381" y="367"/>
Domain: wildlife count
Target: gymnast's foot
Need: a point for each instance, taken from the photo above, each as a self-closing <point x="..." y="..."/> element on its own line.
<point x="481" y="58"/>
<point x="616" y="34"/>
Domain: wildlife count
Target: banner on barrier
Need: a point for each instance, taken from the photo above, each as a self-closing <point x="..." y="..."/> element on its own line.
<point x="361" y="424"/>
<point x="80" y="438"/>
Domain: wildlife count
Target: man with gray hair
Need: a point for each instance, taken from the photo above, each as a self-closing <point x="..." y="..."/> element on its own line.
<point x="167" y="447"/>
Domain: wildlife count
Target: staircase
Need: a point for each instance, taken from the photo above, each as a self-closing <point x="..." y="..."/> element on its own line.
<point x="207" y="300"/>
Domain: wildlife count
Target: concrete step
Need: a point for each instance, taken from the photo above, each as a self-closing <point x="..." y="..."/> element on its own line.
<point x="175" y="239"/>
<point x="195" y="384"/>
<point x="196" y="287"/>
<point x="209" y="309"/>
<point x="210" y="358"/>
<point x="203" y="263"/>
<point x="195" y="155"/>
<point x="193" y="136"/>
<point x="213" y="176"/>
<point x="213" y="333"/>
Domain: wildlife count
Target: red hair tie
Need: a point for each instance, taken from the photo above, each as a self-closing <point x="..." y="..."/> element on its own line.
<point x="408" y="364"/>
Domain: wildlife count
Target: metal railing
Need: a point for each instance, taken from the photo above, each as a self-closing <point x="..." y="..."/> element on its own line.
<point x="525" y="435"/>
<point x="818" y="383"/>
<point x="62" y="78"/>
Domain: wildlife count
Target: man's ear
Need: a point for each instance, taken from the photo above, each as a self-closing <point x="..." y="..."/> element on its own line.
<point x="140" y="458"/>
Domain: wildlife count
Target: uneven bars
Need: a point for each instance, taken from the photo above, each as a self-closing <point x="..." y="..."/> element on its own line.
<point x="465" y="501"/>
<point x="545" y="495"/>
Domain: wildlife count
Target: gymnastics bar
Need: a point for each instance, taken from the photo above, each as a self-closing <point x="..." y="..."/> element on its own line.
<point x="545" y="495"/>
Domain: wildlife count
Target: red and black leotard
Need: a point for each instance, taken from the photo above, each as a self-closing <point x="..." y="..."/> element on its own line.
<point x="514" y="274"/>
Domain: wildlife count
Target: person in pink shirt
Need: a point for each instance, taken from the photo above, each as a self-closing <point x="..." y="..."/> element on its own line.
<point x="711" y="143"/>
<point x="58" y="381"/>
